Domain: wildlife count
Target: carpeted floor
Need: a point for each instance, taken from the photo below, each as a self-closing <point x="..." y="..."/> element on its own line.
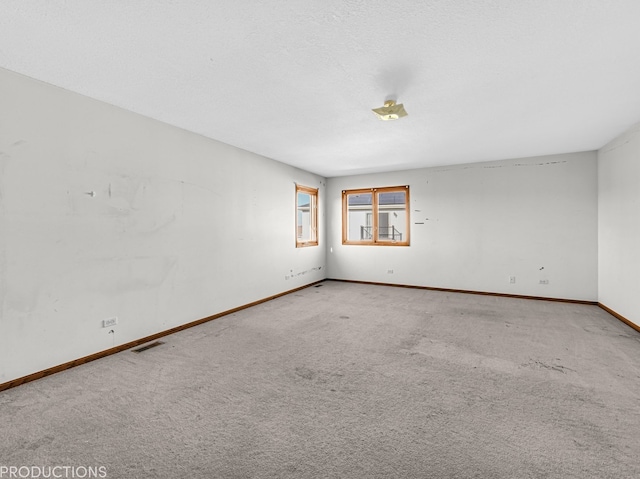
<point x="349" y="380"/>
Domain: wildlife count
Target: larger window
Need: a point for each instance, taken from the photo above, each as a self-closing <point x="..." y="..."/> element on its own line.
<point x="376" y="216"/>
<point x="306" y="216"/>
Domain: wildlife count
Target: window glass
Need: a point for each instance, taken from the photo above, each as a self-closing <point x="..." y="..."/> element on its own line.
<point x="360" y="224"/>
<point x="376" y="216"/>
<point x="306" y="216"/>
<point x="392" y="216"/>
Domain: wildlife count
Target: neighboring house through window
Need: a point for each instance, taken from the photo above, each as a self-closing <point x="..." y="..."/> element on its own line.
<point x="376" y="216"/>
<point x="306" y="216"/>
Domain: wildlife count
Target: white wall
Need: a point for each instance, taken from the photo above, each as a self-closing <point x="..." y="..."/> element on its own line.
<point x="484" y="222"/>
<point x="619" y="225"/>
<point x="181" y="227"/>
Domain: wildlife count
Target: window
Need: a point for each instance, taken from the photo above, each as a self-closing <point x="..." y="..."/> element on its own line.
<point x="306" y="216"/>
<point x="376" y="216"/>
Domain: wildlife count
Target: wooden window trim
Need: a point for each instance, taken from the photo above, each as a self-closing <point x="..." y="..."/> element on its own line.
<point x="313" y="193"/>
<point x="374" y="210"/>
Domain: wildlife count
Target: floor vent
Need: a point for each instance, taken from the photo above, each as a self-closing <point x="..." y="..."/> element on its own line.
<point x="147" y="346"/>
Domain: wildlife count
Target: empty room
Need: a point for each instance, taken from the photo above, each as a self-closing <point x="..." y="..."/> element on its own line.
<point x="324" y="239"/>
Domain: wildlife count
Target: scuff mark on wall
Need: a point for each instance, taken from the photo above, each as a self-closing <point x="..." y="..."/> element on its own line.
<point x="489" y="167"/>
<point x="142" y="204"/>
<point x="541" y="164"/>
<point x="157" y="225"/>
<point x="302" y="273"/>
<point x="621" y="140"/>
<point x="616" y="146"/>
<point x="128" y="274"/>
<point x="217" y="193"/>
<point x="126" y="194"/>
<point x="24" y="301"/>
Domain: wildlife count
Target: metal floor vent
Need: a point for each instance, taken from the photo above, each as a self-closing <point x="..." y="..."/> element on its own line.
<point x="147" y="346"/>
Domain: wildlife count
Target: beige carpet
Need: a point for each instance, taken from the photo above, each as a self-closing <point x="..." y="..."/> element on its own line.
<point x="349" y="381"/>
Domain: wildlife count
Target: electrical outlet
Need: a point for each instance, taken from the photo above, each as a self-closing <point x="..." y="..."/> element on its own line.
<point x="544" y="281"/>
<point x="512" y="279"/>
<point x="389" y="271"/>
<point x="107" y="323"/>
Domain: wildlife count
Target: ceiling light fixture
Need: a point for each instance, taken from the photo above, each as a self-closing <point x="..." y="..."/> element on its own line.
<point x="390" y="111"/>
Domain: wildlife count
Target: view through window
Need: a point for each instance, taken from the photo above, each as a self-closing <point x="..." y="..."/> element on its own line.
<point x="376" y="216"/>
<point x="306" y="216"/>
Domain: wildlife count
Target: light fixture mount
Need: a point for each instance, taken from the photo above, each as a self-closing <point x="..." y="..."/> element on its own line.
<point x="390" y="111"/>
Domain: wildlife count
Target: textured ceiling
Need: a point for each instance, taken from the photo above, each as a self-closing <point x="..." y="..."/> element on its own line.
<point x="296" y="80"/>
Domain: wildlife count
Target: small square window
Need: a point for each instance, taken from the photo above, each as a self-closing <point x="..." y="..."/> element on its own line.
<point x="306" y="216"/>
